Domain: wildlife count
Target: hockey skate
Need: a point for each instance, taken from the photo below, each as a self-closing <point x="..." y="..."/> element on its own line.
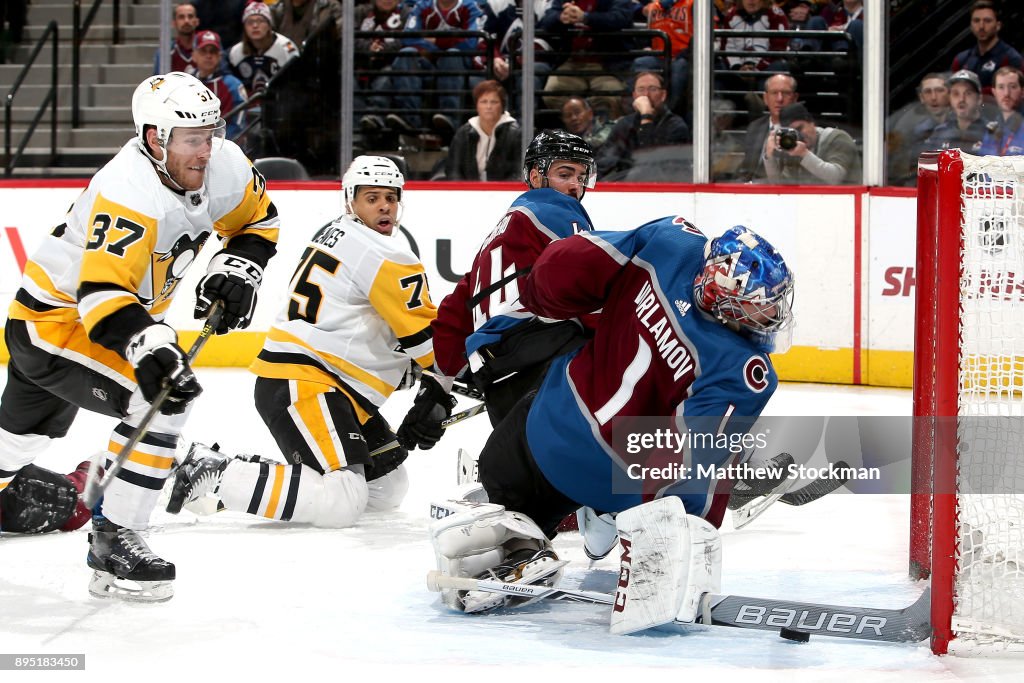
<point x="125" y="567"/>
<point x="598" y="530"/>
<point x="198" y="475"/>
<point x="527" y="566"/>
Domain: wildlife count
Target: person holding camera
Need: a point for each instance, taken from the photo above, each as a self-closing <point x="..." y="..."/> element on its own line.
<point x="800" y="152"/>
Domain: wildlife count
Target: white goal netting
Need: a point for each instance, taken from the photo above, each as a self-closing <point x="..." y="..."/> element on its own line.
<point x="989" y="582"/>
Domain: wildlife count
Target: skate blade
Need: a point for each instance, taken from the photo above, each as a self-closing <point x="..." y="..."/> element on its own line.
<point x="106" y="585"/>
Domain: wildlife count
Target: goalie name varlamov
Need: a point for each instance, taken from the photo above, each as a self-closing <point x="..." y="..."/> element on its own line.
<point x="747" y="471"/>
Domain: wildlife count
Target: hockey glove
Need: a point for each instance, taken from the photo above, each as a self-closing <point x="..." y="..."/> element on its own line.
<point x="159" y="361"/>
<point x="421" y="427"/>
<point x="234" y="280"/>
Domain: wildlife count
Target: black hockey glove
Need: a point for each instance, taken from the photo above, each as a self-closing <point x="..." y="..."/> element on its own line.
<point x="159" y="361"/>
<point x="421" y="427"/>
<point x="234" y="280"/>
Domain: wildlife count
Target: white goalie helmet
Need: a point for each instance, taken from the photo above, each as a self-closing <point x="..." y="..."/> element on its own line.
<point x="372" y="171"/>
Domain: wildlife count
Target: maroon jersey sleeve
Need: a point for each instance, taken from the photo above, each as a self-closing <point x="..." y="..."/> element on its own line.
<point x="512" y="247"/>
<point x="570" y="279"/>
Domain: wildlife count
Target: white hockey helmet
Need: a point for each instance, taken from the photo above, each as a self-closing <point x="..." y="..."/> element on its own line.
<point x="372" y="171"/>
<point x="174" y="100"/>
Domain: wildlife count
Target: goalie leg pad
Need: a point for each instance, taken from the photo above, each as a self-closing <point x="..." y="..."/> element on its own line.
<point x="37" y="500"/>
<point x="477" y="538"/>
<point x="668" y="561"/>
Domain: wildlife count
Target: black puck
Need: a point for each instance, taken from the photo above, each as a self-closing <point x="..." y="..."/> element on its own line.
<point x="794" y="635"/>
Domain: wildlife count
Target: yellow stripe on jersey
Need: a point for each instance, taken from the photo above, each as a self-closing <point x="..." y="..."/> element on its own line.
<point x="276" y="334"/>
<point x="246" y="217"/>
<point x="75" y="344"/>
<point x="305" y="373"/>
<point x="41" y="279"/>
<point x="399" y="293"/>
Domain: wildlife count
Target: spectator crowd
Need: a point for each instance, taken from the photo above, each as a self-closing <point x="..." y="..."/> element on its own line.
<point x="444" y="76"/>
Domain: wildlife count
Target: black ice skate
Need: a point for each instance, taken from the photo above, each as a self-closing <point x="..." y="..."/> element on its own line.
<point x="197" y="476"/>
<point x="527" y="566"/>
<point x="125" y="567"/>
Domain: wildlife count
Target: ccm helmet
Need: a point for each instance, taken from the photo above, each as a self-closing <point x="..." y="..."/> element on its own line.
<point x="550" y="145"/>
<point x="174" y="100"/>
<point x="371" y="171"/>
<point x="745" y="282"/>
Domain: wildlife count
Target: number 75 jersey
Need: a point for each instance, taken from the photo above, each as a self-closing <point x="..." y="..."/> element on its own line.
<point x="358" y="310"/>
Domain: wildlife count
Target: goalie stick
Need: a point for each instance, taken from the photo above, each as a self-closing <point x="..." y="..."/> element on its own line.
<point x="910" y="624"/>
<point x="95" y="485"/>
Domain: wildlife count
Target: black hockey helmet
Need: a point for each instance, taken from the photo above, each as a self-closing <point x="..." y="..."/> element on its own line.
<point x="558" y="144"/>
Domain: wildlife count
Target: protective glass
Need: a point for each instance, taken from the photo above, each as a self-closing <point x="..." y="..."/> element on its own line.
<point x="191" y="141"/>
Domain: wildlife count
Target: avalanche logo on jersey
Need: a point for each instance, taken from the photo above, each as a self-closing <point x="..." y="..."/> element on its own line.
<point x="170" y="267"/>
<point x="755" y="374"/>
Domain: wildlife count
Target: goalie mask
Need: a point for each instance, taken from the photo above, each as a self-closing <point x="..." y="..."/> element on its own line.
<point x="177" y="101"/>
<point x="372" y="171"/>
<point x="746" y="285"/>
<point x="551" y="145"/>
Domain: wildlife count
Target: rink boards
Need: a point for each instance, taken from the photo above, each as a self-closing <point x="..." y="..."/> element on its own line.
<point x="852" y="250"/>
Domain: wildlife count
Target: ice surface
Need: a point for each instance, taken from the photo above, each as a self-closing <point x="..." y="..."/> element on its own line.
<point x="258" y="600"/>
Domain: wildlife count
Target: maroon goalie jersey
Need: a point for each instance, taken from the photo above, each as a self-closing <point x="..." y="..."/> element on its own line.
<point x="485" y="303"/>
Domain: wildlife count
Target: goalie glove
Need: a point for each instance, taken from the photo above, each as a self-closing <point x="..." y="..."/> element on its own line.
<point x="234" y="280"/>
<point x="159" y="362"/>
<point x="421" y="427"/>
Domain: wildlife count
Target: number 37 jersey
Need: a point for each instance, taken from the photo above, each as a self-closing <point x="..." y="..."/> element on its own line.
<point x="358" y="310"/>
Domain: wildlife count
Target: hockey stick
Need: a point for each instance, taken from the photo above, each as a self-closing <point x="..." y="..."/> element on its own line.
<point x="910" y="624"/>
<point x="94" y="485"/>
<point x="448" y="422"/>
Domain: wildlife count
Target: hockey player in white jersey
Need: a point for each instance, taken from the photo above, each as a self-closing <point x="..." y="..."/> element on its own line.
<point x="85" y="329"/>
<point x="359" y="310"/>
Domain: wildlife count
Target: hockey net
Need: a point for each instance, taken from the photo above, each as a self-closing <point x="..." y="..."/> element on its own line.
<point x="967" y="510"/>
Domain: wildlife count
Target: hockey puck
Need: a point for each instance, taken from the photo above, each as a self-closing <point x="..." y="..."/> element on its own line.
<point x="794" y="635"/>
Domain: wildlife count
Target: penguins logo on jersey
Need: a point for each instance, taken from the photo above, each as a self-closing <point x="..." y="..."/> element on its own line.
<point x="170" y="267"/>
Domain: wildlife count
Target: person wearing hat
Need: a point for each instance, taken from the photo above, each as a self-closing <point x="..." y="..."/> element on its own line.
<point x="908" y="128"/>
<point x="262" y="52"/>
<point x="813" y="155"/>
<point x="803" y="16"/>
<point x="964" y="129"/>
<point x="228" y="89"/>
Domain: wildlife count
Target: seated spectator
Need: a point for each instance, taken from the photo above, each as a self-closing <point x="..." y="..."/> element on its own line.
<point x="578" y="118"/>
<point x="850" y="20"/>
<point x="754" y="15"/>
<point x="297" y="20"/>
<point x="228" y="89"/>
<point x="1005" y="136"/>
<point x="989" y="53"/>
<point x="802" y="17"/>
<point x="502" y="20"/>
<point x="779" y="91"/>
<point x="185" y="23"/>
<point x="907" y="129"/>
<point x="386" y="17"/>
<point x="452" y="56"/>
<point x="675" y="18"/>
<point x="650" y="127"/>
<point x="262" y="52"/>
<point x="221" y="17"/>
<point x="964" y="129"/>
<point x="819" y="156"/>
<point x="572" y="22"/>
<point x="487" y="147"/>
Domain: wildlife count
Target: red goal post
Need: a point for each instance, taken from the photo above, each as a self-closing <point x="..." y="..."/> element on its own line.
<point x="967" y="473"/>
